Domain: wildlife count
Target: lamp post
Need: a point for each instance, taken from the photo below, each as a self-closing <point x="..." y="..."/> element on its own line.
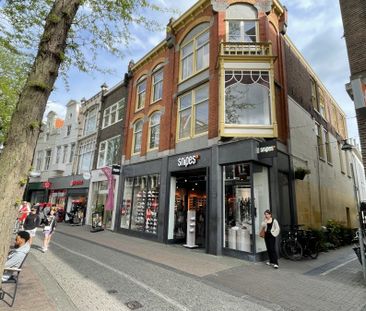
<point x="348" y="147"/>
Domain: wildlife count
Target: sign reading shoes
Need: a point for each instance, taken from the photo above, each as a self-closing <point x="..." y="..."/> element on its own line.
<point x="188" y="160"/>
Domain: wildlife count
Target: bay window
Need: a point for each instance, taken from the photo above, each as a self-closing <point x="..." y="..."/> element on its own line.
<point x="247" y="97"/>
<point x="108" y="151"/>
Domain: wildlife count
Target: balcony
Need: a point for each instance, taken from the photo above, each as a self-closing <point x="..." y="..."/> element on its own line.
<point x="246" y="49"/>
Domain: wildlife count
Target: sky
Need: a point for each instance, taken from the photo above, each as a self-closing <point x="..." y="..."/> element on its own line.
<point x="314" y="26"/>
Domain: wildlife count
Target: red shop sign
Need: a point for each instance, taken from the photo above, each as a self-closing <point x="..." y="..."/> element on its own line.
<point x="76" y="182"/>
<point x="46" y="184"/>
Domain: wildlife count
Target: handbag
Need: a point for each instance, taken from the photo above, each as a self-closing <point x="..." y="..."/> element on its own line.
<point x="262" y="233"/>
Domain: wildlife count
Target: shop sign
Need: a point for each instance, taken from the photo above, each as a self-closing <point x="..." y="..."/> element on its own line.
<point x="116" y="169"/>
<point x="76" y="182"/>
<point x="188" y="160"/>
<point x="46" y="185"/>
<point x="267" y="149"/>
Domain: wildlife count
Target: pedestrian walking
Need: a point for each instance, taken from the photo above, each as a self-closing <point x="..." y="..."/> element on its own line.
<point x="23" y="212"/>
<point x="31" y="223"/>
<point x="271" y="230"/>
<point x="49" y="228"/>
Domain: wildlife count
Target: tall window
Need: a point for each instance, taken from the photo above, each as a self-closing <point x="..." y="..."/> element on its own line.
<point x="341" y="160"/>
<point x="72" y="152"/>
<point x="141" y="93"/>
<point x="157" y="81"/>
<point x="327" y="146"/>
<point x="58" y="154"/>
<point x="195" y="51"/>
<point x="319" y="139"/>
<point x="47" y="160"/>
<point x="90" y="122"/>
<point x="68" y="130"/>
<point x="137" y="136"/>
<point x="247" y="97"/>
<point x="108" y="151"/>
<point x="39" y="160"/>
<point x="65" y="154"/>
<point x="193" y="113"/>
<point x="241" y="22"/>
<point x="154" y="130"/>
<point x="114" y="113"/>
<point x="86" y="156"/>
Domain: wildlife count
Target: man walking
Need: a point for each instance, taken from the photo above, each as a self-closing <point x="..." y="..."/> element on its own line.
<point x="31" y="223"/>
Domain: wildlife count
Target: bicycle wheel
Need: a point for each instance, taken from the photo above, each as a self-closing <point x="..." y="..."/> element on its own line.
<point x="314" y="249"/>
<point x="293" y="249"/>
<point x="282" y="249"/>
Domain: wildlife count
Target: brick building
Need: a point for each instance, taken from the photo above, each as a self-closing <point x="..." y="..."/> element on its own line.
<point x="222" y="117"/>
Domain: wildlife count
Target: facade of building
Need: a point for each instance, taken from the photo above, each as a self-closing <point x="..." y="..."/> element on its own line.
<point x="109" y="143"/>
<point x="54" y="157"/>
<point x="211" y="139"/>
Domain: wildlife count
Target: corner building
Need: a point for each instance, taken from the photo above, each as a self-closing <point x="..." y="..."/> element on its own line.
<point x="207" y="146"/>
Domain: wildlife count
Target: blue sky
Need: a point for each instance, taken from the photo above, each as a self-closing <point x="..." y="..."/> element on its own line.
<point x="315" y="27"/>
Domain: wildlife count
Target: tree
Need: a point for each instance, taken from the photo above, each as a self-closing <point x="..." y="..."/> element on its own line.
<point x="66" y="30"/>
<point x="13" y="70"/>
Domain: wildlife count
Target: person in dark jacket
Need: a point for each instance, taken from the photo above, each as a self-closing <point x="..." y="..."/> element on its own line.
<point x="49" y="228"/>
<point x="31" y="223"/>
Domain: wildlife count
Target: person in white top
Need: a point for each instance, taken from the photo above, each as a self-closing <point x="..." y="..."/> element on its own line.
<point x="272" y="230"/>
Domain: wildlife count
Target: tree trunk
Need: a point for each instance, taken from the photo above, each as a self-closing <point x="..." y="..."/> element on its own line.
<point x="16" y="158"/>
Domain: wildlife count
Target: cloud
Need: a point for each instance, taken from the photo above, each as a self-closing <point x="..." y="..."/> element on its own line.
<point x="60" y="109"/>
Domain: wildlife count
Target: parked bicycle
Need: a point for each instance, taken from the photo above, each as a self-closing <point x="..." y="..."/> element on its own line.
<point x="297" y="243"/>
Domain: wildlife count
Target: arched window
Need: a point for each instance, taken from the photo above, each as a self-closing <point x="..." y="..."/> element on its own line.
<point x="137" y="136"/>
<point x="141" y="93"/>
<point x="157" y="83"/>
<point x="195" y="51"/>
<point x="241" y="23"/>
<point x="154" y="130"/>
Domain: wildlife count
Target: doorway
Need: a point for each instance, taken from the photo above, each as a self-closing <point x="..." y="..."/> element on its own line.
<point x="190" y="202"/>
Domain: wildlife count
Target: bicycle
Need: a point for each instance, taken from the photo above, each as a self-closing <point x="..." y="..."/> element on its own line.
<point x="310" y="244"/>
<point x="290" y="246"/>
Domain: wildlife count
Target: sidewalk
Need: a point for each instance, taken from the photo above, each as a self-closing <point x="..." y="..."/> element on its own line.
<point x="339" y="267"/>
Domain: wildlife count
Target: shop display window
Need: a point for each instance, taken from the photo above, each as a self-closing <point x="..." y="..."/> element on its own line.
<point x="238" y="207"/>
<point x="142" y="194"/>
<point x="126" y="203"/>
<point x="246" y="198"/>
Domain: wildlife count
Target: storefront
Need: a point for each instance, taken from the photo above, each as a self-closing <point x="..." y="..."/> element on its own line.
<point x="211" y="198"/>
<point x="35" y="193"/>
<point x="70" y="193"/>
<point x="98" y="199"/>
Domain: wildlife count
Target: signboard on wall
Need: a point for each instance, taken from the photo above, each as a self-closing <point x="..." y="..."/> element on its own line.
<point x="267" y="149"/>
<point x="116" y="169"/>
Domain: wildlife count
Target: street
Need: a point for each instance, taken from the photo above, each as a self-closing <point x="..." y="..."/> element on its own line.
<point x="109" y="271"/>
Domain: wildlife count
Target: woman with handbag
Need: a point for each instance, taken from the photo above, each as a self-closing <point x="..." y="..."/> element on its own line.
<point x="49" y="228"/>
<point x="271" y="230"/>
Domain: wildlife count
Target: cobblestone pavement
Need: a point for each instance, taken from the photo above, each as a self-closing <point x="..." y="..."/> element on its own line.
<point x="332" y="282"/>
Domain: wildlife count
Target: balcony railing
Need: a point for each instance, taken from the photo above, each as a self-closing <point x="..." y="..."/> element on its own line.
<point x="246" y="49"/>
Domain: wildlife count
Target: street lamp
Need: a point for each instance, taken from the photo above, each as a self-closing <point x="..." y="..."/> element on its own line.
<point x="348" y="147"/>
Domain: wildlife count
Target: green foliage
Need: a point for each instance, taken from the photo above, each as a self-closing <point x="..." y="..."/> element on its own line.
<point x="13" y="71"/>
<point x="22" y="182"/>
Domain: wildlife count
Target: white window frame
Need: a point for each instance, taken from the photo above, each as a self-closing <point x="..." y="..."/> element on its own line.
<point x="116" y="108"/>
<point x="58" y="155"/>
<point x="243" y="37"/>
<point x="86" y="148"/>
<point x="103" y="151"/>
<point x="39" y="160"/>
<point x="72" y="152"/>
<point x="90" y="124"/>
<point x="64" y="156"/>
<point x="47" y="161"/>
